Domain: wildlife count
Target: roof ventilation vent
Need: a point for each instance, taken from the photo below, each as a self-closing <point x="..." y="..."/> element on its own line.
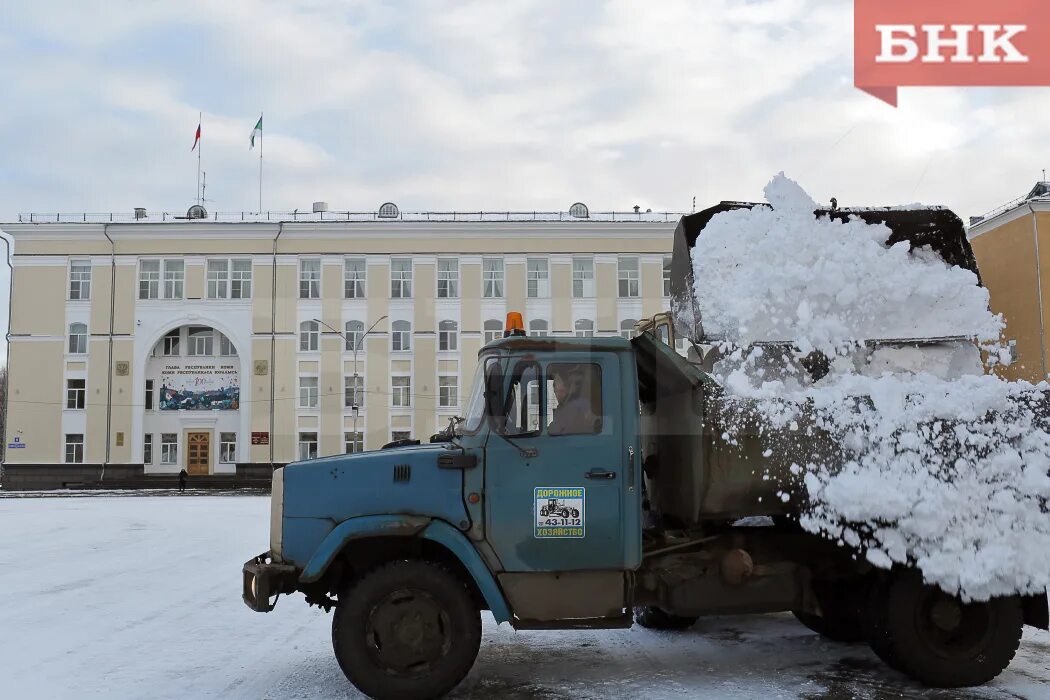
<point x="197" y="212"/>
<point x="320" y="207"/>
<point x="140" y="212"/>
<point x="388" y="211"/>
<point x="579" y="211"/>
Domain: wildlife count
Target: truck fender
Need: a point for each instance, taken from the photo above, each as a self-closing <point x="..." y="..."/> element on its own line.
<point x="354" y="529"/>
<point x="1037" y="611"/>
<point x="454" y="541"/>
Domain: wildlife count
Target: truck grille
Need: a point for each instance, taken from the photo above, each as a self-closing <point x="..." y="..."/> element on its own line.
<point x="402" y="472"/>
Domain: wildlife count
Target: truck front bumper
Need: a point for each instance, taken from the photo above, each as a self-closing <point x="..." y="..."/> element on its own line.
<point x="264" y="579"/>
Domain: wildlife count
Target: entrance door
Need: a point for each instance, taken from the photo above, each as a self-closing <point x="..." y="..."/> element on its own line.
<point x="554" y="480"/>
<point x="198" y="453"/>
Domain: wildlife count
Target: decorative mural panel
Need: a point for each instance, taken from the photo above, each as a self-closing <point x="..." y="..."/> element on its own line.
<point x="198" y="384"/>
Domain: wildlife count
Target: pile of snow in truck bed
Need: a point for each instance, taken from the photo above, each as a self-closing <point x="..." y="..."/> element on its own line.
<point x="933" y="463"/>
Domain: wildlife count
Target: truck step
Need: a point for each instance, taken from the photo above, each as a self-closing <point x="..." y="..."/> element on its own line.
<point x="621" y="622"/>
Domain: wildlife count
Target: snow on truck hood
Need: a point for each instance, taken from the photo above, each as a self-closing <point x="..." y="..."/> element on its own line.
<point x="941" y="466"/>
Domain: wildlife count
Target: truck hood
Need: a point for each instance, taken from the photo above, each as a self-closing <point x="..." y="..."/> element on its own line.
<point x="398" y="480"/>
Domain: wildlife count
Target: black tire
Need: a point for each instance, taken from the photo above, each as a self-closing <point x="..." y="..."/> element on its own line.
<point x="876" y="624"/>
<point x="408" y="630"/>
<point x="945" y="643"/>
<point x="654" y="618"/>
<point x="842" y="604"/>
<point x="575" y="513"/>
<point x="837" y="629"/>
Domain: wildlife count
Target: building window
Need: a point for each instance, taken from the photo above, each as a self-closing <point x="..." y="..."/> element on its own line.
<point x="241" y="279"/>
<point x="448" y="278"/>
<point x="307" y="392"/>
<point x="353" y="442"/>
<point x="448" y="335"/>
<point x="627" y="328"/>
<point x="667" y="275"/>
<point x="171" y="344"/>
<point x="307" y="446"/>
<point x="401" y="336"/>
<point x="174" y="275"/>
<point x="493" y="330"/>
<point x="76" y="393"/>
<point x="310" y="279"/>
<point x="448" y="390"/>
<point x="218" y="279"/>
<point x="147" y="448"/>
<point x="149" y="395"/>
<point x="149" y="279"/>
<point x="309" y="336"/>
<point x="354" y="278"/>
<point x="401" y="278"/>
<point x="226" y="348"/>
<point x="492" y="270"/>
<point x="169" y="448"/>
<point x="538" y="328"/>
<point x="79" y="280"/>
<point x="228" y="447"/>
<point x="401" y="391"/>
<point x="355" y="332"/>
<point x="627" y="272"/>
<point x="585" y="328"/>
<point x="200" y="340"/>
<point x="582" y="278"/>
<point x="77" y="338"/>
<point x="353" y="391"/>
<point x="539" y="285"/>
<point x="74" y="448"/>
<point x="398" y="435"/>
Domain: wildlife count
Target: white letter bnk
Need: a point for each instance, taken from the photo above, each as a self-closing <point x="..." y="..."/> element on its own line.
<point x="899" y="44"/>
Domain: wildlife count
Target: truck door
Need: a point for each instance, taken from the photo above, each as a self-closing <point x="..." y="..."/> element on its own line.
<point x="556" y="467"/>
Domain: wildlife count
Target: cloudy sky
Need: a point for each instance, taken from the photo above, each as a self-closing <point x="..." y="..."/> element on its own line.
<point x="515" y="104"/>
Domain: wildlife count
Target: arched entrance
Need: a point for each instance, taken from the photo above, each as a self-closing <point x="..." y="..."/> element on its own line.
<point x="192" y="413"/>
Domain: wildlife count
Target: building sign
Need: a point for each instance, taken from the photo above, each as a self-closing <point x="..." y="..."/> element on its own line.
<point x="199" y="385"/>
<point x="16" y="444"/>
<point x="260" y="438"/>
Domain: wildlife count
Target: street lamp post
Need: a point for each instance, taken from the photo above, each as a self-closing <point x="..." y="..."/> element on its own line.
<point x="354" y="409"/>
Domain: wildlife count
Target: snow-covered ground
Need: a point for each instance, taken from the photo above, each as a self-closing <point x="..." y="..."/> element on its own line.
<point x="134" y="597"/>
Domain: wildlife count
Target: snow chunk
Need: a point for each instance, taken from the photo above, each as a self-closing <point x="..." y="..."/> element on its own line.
<point x="926" y="460"/>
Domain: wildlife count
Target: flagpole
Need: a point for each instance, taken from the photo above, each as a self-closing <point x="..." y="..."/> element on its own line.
<point x="260" y="164"/>
<point x="200" y="146"/>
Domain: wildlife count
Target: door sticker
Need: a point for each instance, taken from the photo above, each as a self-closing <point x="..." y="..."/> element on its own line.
<point x="560" y="512"/>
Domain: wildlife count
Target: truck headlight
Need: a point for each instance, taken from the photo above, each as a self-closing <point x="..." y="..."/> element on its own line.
<point x="277" y="513"/>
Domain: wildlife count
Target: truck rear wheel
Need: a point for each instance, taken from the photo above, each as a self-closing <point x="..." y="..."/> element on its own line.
<point x="407" y="630"/>
<point x="842" y="604"/>
<point x="654" y="618"/>
<point x="944" y="642"/>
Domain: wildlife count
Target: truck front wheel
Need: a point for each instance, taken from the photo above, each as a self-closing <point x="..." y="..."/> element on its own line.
<point x="942" y="641"/>
<point x="654" y="618"/>
<point x="406" y="630"/>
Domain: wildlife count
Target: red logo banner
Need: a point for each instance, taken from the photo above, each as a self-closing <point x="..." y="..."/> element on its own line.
<point x="949" y="43"/>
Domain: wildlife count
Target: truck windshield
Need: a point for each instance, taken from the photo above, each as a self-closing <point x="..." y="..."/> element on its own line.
<point x="476" y="403"/>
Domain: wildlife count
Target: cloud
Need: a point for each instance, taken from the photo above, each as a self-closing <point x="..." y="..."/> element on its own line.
<point x="479" y="105"/>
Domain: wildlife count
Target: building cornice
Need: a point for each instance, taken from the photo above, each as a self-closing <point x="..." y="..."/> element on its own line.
<point x="1006" y="217"/>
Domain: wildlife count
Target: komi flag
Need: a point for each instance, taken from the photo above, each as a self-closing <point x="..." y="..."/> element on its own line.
<point x="257" y="131"/>
<point x="196" y="138"/>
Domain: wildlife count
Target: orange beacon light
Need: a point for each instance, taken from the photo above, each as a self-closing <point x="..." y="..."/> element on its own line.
<point x="515" y="325"/>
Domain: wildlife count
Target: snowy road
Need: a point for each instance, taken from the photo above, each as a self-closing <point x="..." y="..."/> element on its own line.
<point x="133" y="597"/>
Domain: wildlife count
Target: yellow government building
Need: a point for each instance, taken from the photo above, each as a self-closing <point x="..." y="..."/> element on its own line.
<point x="225" y="344"/>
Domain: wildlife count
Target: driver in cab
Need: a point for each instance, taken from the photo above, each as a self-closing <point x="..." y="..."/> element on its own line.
<point x="574" y="388"/>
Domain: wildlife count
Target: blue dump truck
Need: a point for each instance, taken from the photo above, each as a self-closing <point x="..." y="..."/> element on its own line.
<point x="588" y="486"/>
